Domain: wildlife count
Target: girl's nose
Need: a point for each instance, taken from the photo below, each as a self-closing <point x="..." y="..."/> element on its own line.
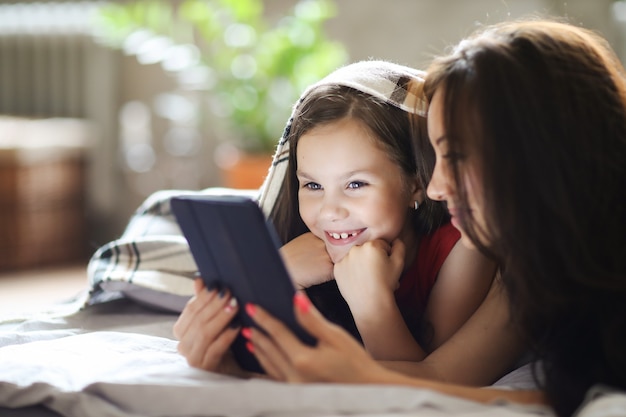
<point x="333" y="209"/>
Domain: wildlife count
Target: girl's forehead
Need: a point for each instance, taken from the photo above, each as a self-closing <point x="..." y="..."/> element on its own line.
<point x="342" y="147"/>
<point x="351" y="127"/>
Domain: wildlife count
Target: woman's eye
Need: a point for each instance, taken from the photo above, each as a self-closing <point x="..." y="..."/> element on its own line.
<point x="356" y="184"/>
<point x="454" y="156"/>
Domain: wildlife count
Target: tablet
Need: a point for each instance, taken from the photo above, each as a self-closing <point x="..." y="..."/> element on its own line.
<point x="234" y="246"/>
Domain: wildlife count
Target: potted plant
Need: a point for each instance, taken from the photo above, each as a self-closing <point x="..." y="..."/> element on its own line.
<point x="251" y="68"/>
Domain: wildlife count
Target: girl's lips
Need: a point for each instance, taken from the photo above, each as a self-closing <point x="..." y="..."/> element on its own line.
<point x="345" y="237"/>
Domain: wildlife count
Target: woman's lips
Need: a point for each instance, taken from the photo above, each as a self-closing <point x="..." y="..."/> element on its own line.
<point x="455" y="222"/>
<point x="455" y="217"/>
<point x="345" y="237"/>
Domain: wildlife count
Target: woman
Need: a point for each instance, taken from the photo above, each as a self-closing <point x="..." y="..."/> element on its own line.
<point x="528" y="123"/>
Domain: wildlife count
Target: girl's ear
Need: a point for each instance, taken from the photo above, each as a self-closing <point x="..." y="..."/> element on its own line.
<point x="417" y="193"/>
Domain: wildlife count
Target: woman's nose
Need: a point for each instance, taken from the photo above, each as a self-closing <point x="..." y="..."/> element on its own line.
<point x="438" y="186"/>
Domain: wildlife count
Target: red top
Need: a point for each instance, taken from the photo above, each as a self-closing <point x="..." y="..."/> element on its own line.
<point x="417" y="282"/>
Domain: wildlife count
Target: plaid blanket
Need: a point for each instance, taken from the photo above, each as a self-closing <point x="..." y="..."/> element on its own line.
<point x="151" y="261"/>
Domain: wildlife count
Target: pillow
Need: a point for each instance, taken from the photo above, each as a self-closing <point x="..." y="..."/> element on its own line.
<point x="151" y="262"/>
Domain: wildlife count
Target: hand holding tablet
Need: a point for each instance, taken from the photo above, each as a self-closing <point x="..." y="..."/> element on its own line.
<point x="234" y="246"/>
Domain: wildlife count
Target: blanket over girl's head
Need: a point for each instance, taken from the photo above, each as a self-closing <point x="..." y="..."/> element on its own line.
<point x="396" y="84"/>
<point x="151" y="261"/>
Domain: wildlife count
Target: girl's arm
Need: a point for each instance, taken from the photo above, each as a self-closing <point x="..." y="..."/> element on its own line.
<point x="337" y="357"/>
<point x="307" y="261"/>
<point x="367" y="277"/>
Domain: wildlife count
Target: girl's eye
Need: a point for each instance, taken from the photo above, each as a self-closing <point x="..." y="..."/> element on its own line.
<point x="356" y="184"/>
<point x="312" y="186"/>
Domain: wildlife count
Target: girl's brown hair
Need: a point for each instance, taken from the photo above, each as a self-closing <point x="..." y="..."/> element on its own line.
<point x="395" y="131"/>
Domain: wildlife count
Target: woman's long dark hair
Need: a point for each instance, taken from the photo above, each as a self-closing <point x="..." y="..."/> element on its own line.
<point x="395" y="130"/>
<point x="542" y="106"/>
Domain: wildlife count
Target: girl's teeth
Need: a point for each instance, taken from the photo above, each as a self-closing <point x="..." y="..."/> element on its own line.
<point x="343" y="235"/>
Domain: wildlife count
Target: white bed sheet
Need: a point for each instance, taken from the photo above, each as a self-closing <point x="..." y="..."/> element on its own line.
<point x="119" y="359"/>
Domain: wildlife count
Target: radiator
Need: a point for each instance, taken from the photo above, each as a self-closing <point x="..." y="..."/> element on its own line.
<point x="51" y="67"/>
<point x="43" y="58"/>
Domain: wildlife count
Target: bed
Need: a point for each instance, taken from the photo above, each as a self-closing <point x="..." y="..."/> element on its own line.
<point x="110" y="351"/>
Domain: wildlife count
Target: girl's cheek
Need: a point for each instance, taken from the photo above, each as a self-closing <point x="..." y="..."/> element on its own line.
<point x="305" y="213"/>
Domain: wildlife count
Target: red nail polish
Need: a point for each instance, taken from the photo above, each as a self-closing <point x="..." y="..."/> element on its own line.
<point x="250" y="309"/>
<point x="302" y="302"/>
<point x="250" y="347"/>
<point x="246" y="332"/>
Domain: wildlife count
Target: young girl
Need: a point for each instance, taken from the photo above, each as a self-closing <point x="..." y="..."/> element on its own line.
<point x="528" y="122"/>
<point x="347" y="195"/>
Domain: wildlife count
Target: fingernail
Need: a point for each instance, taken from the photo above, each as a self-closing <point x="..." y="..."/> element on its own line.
<point x="246" y="332"/>
<point x="250" y="309"/>
<point x="302" y="302"/>
<point x="250" y="347"/>
<point x="231" y="305"/>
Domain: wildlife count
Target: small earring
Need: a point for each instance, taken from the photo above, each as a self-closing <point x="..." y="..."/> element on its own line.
<point x="416" y="205"/>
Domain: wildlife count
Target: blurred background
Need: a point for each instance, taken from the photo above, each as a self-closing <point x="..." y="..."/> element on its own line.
<point x="103" y="103"/>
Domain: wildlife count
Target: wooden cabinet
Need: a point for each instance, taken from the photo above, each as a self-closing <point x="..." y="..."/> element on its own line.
<point x="42" y="193"/>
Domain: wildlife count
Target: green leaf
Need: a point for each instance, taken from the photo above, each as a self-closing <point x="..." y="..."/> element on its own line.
<point x="289" y="54"/>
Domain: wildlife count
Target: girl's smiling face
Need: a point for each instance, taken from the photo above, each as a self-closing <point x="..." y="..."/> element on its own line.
<point x="350" y="191"/>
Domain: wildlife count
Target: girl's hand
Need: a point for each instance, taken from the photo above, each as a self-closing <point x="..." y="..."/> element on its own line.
<point x="369" y="272"/>
<point x="307" y="261"/>
<point x="203" y="330"/>
<point x="367" y="278"/>
<point x="337" y="357"/>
